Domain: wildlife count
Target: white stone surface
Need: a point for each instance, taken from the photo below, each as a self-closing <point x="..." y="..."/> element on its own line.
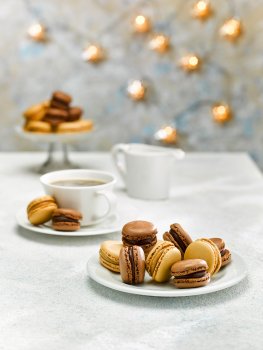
<point x="48" y="302"/>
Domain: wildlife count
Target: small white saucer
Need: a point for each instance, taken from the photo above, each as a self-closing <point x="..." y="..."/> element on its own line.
<point x="110" y="225"/>
<point x="227" y="277"/>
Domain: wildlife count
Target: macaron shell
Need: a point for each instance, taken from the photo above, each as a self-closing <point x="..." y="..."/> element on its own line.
<point x="108" y="265"/>
<point x="217" y="254"/>
<point x="110" y="251"/>
<point x="202" y="250"/>
<point x="219" y="242"/>
<point x="226" y="258"/>
<point x="184" y="236"/>
<point x="66" y="226"/>
<point x="155" y="254"/>
<point x="192" y="282"/>
<point x="68" y="213"/>
<point x="162" y="271"/>
<point x="139" y="260"/>
<point x="40" y="200"/>
<point x="186" y="267"/>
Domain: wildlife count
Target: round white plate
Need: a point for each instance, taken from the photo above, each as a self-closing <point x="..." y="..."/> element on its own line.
<point x="227" y="277"/>
<point x="52" y="137"/>
<point x="109" y="225"/>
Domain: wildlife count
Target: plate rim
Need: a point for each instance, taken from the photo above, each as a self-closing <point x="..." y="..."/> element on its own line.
<point x="125" y="288"/>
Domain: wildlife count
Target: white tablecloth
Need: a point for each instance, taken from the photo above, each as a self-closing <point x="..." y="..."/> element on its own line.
<point x="48" y="302"/>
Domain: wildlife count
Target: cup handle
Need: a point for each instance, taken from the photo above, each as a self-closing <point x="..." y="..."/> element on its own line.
<point x="117" y="151"/>
<point x="112" y="202"/>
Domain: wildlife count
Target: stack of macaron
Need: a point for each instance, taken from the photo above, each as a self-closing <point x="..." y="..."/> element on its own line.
<point x="44" y="209"/>
<point x="56" y="115"/>
<point x="189" y="263"/>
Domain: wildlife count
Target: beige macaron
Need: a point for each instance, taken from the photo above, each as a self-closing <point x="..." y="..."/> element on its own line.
<point x="109" y="255"/>
<point x="77" y="126"/>
<point x="40" y="210"/>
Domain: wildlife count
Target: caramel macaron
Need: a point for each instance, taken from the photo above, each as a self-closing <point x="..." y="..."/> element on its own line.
<point x="109" y="255"/>
<point x="66" y="219"/>
<point x="38" y="127"/>
<point x="132" y="265"/>
<point x="160" y="259"/>
<point x="225" y="253"/>
<point x="206" y="250"/>
<point x="40" y="210"/>
<point x="140" y="233"/>
<point x="190" y="273"/>
<point x="77" y="126"/>
<point x="179" y="237"/>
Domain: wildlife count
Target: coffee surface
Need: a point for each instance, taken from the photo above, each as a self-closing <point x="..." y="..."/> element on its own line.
<point x="78" y="182"/>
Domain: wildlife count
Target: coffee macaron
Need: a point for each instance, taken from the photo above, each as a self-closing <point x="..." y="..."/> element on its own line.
<point x="160" y="259"/>
<point x="40" y="210"/>
<point x="190" y="273"/>
<point x="64" y="219"/>
<point x="140" y="233"/>
<point x="132" y="265"/>
<point x="109" y="255"/>
<point x="225" y="253"/>
<point x="207" y="250"/>
<point x="179" y="237"/>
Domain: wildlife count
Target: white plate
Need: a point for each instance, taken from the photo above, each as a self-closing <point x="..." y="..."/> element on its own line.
<point x="112" y="224"/>
<point x="69" y="137"/>
<point x="227" y="277"/>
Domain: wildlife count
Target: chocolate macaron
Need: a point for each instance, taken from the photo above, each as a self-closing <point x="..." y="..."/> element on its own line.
<point x="55" y="116"/>
<point x="66" y="220"/>
<point x="140" y="233"/>
<point x="132" y="265"/>
<point x="190" y="273"/>
<point x="74" y="113"/>
<point x="61" y="97"/>
<point x="225" y="253"/>
<point x="179" y="237"/>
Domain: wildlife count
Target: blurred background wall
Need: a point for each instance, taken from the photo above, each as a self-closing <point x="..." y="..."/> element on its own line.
<point x="231" y="71"/>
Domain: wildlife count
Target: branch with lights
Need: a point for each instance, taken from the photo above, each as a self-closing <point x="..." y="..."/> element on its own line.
<point x="202" y="10"/>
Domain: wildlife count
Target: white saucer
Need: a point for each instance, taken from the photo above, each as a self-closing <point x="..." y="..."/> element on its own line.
<point x="109" y="225"/>
<point x="227" y="277"/>
<point x="69" y="137"/>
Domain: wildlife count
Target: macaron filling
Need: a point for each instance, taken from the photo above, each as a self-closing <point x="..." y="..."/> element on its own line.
<point x="198" y="274"/>
<point x="178" y="240"/>
<point x="64" y="219"/>
<point x="223" y="252"/>
<point x="138" y="242"/>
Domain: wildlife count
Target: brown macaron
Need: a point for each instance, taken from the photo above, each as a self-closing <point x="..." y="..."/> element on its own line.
<point x="132" y="265"/>
<point x="179" y="237"/>
<point x="140" y="233"/>
<point x="59" y="105"/>
<point x="225" y="253"/>
<point x="190" y="273"/>
<point x="55" y="116"/>
<point x="66" y="220"/>
<point x="61" y="97"/>
<point x="74" y="114"/>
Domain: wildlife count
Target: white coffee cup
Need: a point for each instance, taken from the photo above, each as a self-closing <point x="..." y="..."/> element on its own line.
<point x="146" y="169"/>
<point x="95" y="203"/>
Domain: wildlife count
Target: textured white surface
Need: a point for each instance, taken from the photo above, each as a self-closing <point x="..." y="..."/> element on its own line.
<point x="48" y="302"/>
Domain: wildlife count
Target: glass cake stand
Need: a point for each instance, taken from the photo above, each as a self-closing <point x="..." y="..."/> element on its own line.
<point x="54" y="141"/>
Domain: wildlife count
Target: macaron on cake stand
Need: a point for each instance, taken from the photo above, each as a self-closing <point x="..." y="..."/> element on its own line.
<point x="54" y="160"/>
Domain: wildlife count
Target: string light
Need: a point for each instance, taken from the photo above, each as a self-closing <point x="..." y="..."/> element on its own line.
<point x="202" y="10"/>
<point x="136" y="90"/>
<point x="159" y="43"/>
<point x="37" y="32"/>
<point x="221" y="113"/>
<point x="93" y="53"/>
<point x="190" y="63"/>
<point x="232" y="29"/>
<point x="167" y="135"/>
<point x="142" y="24"/>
